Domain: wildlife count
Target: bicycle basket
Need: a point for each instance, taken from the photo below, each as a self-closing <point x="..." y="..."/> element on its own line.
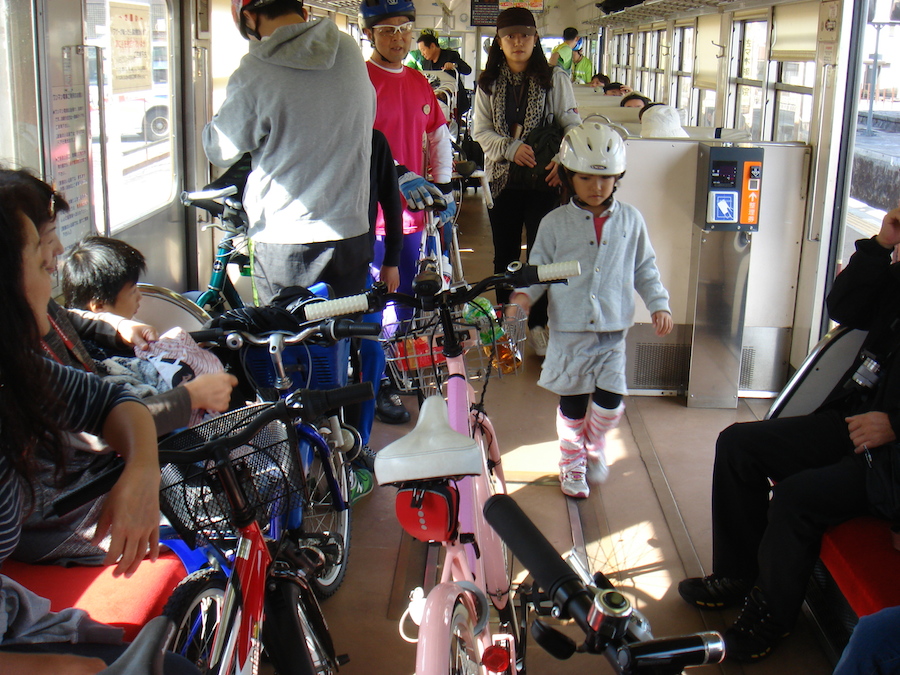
<point x="268" y="468"/>
<point x="492" y="340"/>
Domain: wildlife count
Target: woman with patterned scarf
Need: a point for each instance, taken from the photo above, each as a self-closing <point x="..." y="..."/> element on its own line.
<point x="518" y="92"/>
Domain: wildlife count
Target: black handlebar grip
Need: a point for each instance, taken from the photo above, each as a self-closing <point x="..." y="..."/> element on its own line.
<point x="347" y="328"/>
<point x="528" y="544"/>
<point x="97" y="487"/>
<point x="213" y="207"/>
<point x="316" y="402"/>
<point x="674" y="654"/>
<point x="207" y="335"/>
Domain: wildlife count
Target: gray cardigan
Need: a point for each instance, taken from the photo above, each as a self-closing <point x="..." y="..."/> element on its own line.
<point x="602" y="298"/>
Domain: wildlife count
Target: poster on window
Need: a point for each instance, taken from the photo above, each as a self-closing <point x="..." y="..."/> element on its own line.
<point x="130" y="53"/>
<point x="533" y="5"/>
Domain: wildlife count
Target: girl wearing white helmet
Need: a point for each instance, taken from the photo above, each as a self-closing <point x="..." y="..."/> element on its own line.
<point x="589" y="317"/>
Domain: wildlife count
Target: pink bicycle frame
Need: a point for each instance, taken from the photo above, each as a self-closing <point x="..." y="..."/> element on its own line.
<point x="462" y="569"/>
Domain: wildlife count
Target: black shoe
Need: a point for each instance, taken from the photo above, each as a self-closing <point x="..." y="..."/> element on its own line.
<point x="388" y="406"/>
<point x="756" y="631"/>
<point x="713" y="592"/>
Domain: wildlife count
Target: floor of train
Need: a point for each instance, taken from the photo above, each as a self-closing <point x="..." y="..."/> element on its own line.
<point x="646" y="528"/>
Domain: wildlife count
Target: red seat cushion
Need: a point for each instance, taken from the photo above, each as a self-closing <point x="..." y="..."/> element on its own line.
<point x="863" y="562"/>
<point x="127" y="603"/>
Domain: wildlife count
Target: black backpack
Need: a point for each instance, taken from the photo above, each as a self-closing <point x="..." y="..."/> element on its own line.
<point x="545" y="141"/>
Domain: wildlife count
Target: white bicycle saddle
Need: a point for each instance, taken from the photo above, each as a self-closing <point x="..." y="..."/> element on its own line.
<point x="431" y="450"/>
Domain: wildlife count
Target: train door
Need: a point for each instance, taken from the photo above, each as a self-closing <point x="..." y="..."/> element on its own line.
<point x="106" y="120"/>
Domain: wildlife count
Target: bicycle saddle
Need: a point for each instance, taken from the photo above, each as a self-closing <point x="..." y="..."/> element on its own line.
<point x="431" y="450"/>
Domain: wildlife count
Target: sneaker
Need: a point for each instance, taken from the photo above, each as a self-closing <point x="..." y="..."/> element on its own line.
<point x="540" y="336"/>
<point x="713" y="592"/>
<point x="366" y="458"/>
<point x="597" y="471"/>
<point x="572" y="481"/>
<point x="362" y="482"/>
<point x="756" y="631"/>
<point x="388" y="406"/>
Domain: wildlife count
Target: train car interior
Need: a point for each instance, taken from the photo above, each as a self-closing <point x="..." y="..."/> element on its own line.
<point x="786" y="155"/>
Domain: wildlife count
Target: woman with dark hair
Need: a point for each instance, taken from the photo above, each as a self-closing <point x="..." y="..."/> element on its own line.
<point x="40" y="400"/>
<point x="518" y="92"/>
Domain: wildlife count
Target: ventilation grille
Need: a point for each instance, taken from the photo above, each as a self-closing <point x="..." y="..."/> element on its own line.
<point x="660" y="366"/>
<point x="748" y="360"/>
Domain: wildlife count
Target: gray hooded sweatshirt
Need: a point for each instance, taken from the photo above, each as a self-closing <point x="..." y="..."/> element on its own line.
<point x="302" y="105"/>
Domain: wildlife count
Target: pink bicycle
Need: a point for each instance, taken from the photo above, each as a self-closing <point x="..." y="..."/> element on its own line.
<point x="449" y="466"/>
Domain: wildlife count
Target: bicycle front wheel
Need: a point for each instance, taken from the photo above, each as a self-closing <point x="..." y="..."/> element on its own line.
<point x="196" y="608"/>
<point x="295" y="635"/>
<point x="327" y="525"/>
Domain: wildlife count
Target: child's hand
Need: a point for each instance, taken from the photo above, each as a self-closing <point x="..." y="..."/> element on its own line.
<point x="520" y="299"/>
<point x="662" y="322"/>
<point x="136" y="334"/>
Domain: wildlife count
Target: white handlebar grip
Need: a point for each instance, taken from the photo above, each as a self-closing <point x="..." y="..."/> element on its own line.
<point x="326" y="309"/>
<point x="561" y="270"/>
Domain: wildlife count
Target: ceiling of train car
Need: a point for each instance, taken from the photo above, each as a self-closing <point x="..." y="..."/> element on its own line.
<point x="641" y="12"/>
<point x="655" y="10"/>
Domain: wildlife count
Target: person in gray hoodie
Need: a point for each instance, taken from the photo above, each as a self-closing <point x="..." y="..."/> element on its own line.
<point x="302" y="105"/>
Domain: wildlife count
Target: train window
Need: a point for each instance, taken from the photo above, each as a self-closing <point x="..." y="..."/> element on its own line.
<point x="749" y="77"/>
<point x="137" y="97"/>
<point x="682" y="75"/>
<point x="19" y="142"/>
<point x="621" y="57"/>
<point x="793" y="100"/>
<point x="648" y="59"/>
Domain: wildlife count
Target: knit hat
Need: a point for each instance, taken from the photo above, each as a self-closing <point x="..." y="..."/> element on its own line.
<point x="515" y="20"/>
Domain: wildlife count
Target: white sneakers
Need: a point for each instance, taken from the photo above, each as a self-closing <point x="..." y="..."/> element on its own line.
<point x="540" y="336"/>
<point x="572" y="480"/>
<point x="597" y="471"/>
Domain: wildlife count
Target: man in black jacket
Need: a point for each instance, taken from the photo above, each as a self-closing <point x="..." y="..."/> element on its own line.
<point x="764" y="550"/>
<point x="435" y="58"/>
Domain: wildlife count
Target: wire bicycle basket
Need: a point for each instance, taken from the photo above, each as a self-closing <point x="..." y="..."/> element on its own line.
<point x="268" y="468"/>
<point x="491" y="338"/>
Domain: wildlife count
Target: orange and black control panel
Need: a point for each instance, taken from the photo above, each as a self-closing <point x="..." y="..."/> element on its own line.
<point x="729" y="187"/>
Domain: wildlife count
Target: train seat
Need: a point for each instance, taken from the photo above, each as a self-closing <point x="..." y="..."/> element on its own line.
<point x="857" y="556"/>
<point x="164" y="309"/>
<point x="126" y="603"/>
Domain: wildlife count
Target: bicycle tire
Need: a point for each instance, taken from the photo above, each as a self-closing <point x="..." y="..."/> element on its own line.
<point x="196" y="608"/>
<point x="293" y="617"/>
<point x="321" y="518"/>
<point x="463" y="657"/>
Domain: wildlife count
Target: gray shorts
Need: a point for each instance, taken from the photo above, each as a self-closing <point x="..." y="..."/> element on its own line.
<point x="579" y="363"/>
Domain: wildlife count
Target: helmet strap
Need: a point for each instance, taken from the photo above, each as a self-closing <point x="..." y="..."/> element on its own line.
<point x="246" y="30"/>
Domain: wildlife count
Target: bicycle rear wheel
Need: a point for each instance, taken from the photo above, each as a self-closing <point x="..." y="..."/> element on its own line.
<point x="464" y="658"/>
<point x="196" y="608"/>
<point x="328" y="527"/>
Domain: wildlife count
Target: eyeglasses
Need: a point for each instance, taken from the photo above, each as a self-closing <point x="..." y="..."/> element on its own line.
<point x="391" y="31"/>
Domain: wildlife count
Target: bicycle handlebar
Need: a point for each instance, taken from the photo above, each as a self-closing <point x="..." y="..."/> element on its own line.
<point x="574" y="599"/>
<point x="303" y="403"/>
<point x="517" y="275"/>
<point x="331" y="330"/>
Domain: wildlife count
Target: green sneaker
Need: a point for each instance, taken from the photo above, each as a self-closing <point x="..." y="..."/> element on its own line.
<point x="362" y="482"/>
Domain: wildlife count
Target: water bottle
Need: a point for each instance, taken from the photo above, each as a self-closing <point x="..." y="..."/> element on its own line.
<point x="505" y="356"/>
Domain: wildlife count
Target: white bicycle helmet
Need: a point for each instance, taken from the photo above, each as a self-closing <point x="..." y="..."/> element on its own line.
<point x="593" y="148"/>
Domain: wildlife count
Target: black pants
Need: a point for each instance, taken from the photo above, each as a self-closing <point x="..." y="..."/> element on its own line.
<point x="819" y="482"/>
<point x="343" y="264"/>
<point x="514" y="210"/>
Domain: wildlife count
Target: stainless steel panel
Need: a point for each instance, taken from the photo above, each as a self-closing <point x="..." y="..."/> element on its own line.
<point x="657" y="365"/>
<point x="720" y="280"/>
<point x="764" y="360"/>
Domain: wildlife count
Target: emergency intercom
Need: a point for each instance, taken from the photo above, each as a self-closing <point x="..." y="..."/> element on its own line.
<point x="729" y="179"/>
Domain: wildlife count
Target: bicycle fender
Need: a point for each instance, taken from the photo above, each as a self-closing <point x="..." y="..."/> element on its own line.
<point x="437" y="623"/>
